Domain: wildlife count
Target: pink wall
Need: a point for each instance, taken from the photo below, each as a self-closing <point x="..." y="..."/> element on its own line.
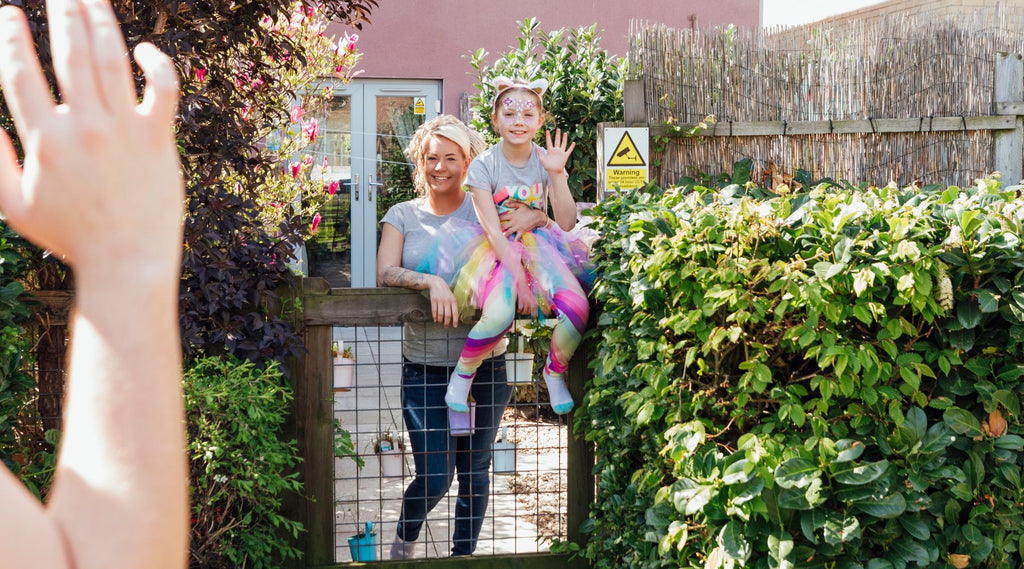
<point x="432" y="39"/>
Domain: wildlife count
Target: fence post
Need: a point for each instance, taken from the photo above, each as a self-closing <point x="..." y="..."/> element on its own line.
<point x="314" y="422"/>
<point x="579" y="454"/>
<point x="1008" y="145"/>
<point x="634" y="107"/>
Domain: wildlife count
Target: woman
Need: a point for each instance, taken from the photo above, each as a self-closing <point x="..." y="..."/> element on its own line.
<point x="441" y="151"/>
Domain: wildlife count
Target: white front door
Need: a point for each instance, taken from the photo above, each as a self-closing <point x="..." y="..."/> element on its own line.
<point x="366" y="129"/>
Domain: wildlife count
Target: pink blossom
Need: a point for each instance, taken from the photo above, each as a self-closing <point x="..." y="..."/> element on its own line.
<point x="326" y="165"/>
<point x="329" y="92"/>
<point x="332" y="188"/>
<point x="256" y="83"/>
<point x="296" y="169"/>
<point x="350" y="42"/>
<point x="297" y="112"/>
<point x="316" y="223"/>
<point x="200" y="74"/>
<point x="307" y="160"/>
<point x="311" y="129"/>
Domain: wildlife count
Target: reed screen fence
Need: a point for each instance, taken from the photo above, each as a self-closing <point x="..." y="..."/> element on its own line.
<point x="898" y="99"/>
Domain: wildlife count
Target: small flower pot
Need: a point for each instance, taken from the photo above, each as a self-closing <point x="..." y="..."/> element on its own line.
<point x="363" y="545"/>
<point x="392" y="463"/>
<point x="344" y="374"/>
<point x="462" y="424"/>
<point x="504" y="455"/>
<point x="520" y="367"/>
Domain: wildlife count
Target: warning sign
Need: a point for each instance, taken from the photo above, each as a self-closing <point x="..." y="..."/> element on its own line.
<point x="626" y="178"/>
<point x="626" y="154"/>
<point x="420" y="106"/>
<point x="625" y="158"/>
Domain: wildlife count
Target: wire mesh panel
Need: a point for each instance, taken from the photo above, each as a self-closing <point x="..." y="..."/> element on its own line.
<point x="526" y="502"/>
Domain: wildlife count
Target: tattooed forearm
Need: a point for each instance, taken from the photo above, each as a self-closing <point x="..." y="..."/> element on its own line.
<point x="398" y="276"/>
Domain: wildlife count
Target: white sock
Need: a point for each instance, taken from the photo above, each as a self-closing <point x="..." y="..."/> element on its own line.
<point x="561" y="400"/>
<point x="457" y="395"/>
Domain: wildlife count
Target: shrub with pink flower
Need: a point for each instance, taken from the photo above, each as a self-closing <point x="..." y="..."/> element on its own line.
<point x="300" y="185"/>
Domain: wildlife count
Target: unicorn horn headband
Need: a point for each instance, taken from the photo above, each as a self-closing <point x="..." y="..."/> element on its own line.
<point x="503" y="84"/>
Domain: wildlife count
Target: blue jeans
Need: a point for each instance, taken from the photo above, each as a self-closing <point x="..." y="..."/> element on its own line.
<point x="439" y="456"/>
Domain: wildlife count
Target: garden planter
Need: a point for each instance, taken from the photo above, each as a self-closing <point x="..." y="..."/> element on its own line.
<point x="462" y="424"/>
<point x="504" y="455"/>
<point x="520" y="367"/>
<point x="363" y="545"/>
<point x="344" y="374"/>
<point x="392" y="463"/>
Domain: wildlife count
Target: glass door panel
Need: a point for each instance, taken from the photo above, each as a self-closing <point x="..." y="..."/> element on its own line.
<point x="330" y="248"/>
<point x="365" y="132"/>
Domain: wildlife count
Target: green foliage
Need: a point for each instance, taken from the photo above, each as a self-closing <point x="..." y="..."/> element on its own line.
<point x="585" y="89"/>
<point x="823" y="378"/>
<point x="20" y="436"/>
<point x="240" y="469"/>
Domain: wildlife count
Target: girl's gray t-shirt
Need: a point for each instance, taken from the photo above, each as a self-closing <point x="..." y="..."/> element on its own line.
<point x="430" y="342"/>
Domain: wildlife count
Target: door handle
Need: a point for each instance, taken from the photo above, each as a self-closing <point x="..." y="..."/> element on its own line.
<point x="373" y="184"/>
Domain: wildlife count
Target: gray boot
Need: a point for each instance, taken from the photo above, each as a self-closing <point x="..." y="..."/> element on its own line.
<point x="402" y="549"/>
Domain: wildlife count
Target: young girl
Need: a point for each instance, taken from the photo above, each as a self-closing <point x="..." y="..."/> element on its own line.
<point x="540" y="271"/>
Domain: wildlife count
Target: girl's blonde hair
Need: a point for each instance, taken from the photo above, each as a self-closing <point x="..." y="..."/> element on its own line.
<point x="444" y="126"/>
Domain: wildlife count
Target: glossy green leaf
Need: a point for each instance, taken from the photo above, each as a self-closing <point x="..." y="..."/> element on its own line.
<point x="968" y="314"/>
<point x="889" y="506"/>
<point x="962" y="422"/>
<point x="840" y="528"/>
<point x="796" y="473"/>
<point x="856" y="474"/>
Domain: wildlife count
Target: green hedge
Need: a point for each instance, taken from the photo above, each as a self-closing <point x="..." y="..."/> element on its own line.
<point x="823" y="377"/>
<point x="240" y="469"/>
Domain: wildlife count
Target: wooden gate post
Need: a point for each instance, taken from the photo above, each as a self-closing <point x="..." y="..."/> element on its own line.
<point x="1008" y="99"/>
<point x="580" y="480"/>
<point x="315" y="431"/>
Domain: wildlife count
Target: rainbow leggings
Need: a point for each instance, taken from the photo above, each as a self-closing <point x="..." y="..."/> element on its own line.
<point x="498" y="309"/>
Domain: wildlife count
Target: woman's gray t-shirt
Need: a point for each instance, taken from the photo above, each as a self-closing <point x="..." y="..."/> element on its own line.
<point x="429" y="342"/>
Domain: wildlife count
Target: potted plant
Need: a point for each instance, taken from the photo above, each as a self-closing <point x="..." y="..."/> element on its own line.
<point x="344" y="367"/>
<point x="390" y="448"/>
<point x="504" y="457"/>
<point x="528" y="338"/>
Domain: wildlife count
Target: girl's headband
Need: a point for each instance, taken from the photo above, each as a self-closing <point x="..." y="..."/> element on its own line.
<point x="503" y="84"/>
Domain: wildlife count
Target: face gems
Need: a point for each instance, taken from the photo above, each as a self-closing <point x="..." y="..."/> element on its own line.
<point x="519" y="105"/>
<point x="518" y="109"/>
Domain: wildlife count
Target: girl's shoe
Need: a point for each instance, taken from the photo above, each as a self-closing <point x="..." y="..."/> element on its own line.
<point x="561" y="400"/>
<point x="457" y="396"/>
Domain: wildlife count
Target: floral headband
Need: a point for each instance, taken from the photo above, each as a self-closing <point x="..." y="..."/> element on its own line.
<point x="503" y="85"/>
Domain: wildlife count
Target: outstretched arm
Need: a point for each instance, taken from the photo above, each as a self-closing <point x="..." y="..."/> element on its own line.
<point x="100" y="186"/>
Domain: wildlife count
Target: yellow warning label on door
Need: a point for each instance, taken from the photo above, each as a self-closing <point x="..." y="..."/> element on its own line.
<point x="627" y="178"/>
<point x="626" y="154"/>
<point x="420" y="106"/>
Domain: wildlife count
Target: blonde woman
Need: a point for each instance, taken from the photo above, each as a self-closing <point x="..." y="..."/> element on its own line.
<point x="441" y="151"/>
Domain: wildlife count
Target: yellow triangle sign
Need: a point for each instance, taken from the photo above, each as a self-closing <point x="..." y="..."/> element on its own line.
<point x="626" y="153"/>
<point x="419" y="107"/>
